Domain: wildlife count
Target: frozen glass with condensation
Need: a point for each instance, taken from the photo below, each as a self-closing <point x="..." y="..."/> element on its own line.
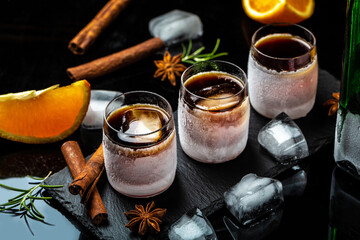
<point x="283" y="84"/>
<point x="140" y="148"/>
<point x="213" y="120"/>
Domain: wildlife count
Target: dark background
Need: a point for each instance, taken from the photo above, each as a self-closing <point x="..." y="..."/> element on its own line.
<point x="34" y="36"/>
<point x="33" y="55"/>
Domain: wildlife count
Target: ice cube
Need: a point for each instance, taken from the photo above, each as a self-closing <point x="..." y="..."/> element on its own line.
<point x="193" y="225"/>
<point x="258" y="230"/>
<point x="142" y="125"/>
<point x="98" y="102"/>
<point x="295" y="183"/>
<point x="283" y="139"/>
<point x="219" y="101"/>
<point x="253" y="198"/>
<point x="176" y="26"/>
<point x="216" y="91"/>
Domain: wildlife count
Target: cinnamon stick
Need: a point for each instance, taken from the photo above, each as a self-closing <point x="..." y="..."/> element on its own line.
<point x="87" y="36"/>
<point x="86" y="180"/>
<point x="76" y="162"/>
<point x="115" y="61"/>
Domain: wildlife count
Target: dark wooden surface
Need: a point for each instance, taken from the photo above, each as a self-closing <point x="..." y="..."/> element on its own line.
<point x="34" y="55"/>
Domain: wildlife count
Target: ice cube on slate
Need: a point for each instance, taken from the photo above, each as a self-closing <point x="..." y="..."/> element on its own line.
<point x="141" y="122"/>
<point x="283" y="139"/>
<point x="295" y="184"/>
<point x="257" y="230"/>
<point x="253" y="198"/>
<point x="176" y="26"/>
<point x="193" y="225"/>
<point x="98" y="102"/>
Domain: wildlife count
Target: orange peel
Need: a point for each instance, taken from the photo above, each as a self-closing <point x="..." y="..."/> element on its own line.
<point x="44" y="116"/>
<point x="279" y="11"/>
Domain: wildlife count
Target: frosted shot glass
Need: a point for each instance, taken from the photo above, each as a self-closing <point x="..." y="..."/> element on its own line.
<point x="213" y="111"/>
<point x="283" y="70"/>
<point x="139" y="142"/>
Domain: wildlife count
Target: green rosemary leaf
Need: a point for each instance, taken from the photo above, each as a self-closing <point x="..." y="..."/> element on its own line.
<point x="17" y="197"/>
<point x="10" y="203"/>
<point x="197" y="52"/>
<point x="219" y="55"/>
<point x="189" y="48"/>
<point x="35" y="209"/>
<point x="9" y="208"/>
<point x="196" y="56"/>
<point x="24" y="203"/>
<point x="206" y="58"/>
<point x="36" y="178"/>
<point x="189" y="61"/>
<point x="183" y="49"/>
<point x="33" y="214"/>
<point x="41" y="198"/>
<point x="217" y="44"/>
<point x="12" y="188"/>
<point x="51" y="186"/>
<point x="210" y="55"/>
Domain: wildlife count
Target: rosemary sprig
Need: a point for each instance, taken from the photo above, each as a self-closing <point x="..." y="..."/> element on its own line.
<point x="24" y="203"/>
<point x="196" y="56"/>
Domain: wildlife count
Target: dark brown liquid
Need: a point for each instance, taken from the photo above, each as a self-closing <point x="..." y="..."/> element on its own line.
<point x="283" y="46"/>
<point x="291" y="50"/>
<point x="137" y="119"/>
<point x="213" y="85"/>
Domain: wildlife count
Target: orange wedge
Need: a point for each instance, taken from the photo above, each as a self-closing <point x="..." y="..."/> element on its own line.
<point x="44" y="116"/>
<point x="280" y="11"/>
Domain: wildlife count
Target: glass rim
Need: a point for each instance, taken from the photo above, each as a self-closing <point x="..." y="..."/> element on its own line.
<point x="142" y="134"/>
<point x="244" y="81"/>
<point x="312" y="45"/>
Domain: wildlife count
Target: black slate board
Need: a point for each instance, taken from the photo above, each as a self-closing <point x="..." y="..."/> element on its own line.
<point x="198" y="184"/>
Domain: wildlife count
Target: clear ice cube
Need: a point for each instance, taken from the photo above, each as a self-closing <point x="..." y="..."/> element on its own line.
<point x="193" y="225"/>
<point x="218" y="102"/>
<point x="257" y="230"/>
<point x="176" y="26"/>
<point x="95" y="115"/>
<point x="218" y="91"/>
<point x="283" y="139"/>
<point x="253" y="198"/>
<point x="143" y="123"/>
<point x="295" y="184"/>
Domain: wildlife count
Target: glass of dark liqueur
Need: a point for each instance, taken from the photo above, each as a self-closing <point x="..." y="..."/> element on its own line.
<point x="139" y="144"/>
<point x="283" y="70"/>
<point x="213" y="111"/>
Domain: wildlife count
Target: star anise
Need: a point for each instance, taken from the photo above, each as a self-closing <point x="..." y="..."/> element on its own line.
<point x="169" y="67"/>
<point x="142" y="219"/>
<point x="333" y="103"/>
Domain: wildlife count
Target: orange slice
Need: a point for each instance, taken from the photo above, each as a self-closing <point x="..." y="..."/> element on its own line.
<point x="44" y="116"/>
<point x="280" y="11"/>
